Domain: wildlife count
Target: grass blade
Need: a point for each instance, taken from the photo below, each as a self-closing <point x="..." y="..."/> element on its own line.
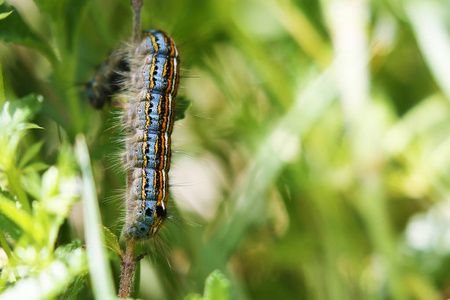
<point x="98" y="264"/>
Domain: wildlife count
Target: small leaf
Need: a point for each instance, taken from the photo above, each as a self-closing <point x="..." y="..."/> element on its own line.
<point x="27" y="126"/>
<point x="193" y="297"/>
<point x="7" y="225"/>
<point x="35" y="167"/>
<point x="217" y="287"/>
<point x="31" y="183"/>
<point x="74" y="289"/>
<point x="62" y="251"/>
<point x="5" y="14"/>
<point x="25" y="109"/>
<point x="111" y="241"/>
<point x="50" y="183"/>
<point x="30" y="153"/>
<point x="181" y="105"/>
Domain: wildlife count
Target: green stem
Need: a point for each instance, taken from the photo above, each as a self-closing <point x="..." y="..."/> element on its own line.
<point x="2" y="87"/>
<point x="7" y="249"/>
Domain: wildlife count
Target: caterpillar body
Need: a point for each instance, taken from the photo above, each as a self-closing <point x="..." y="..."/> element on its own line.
<point x="151" y="88"/>
<point x="107" y="80"/>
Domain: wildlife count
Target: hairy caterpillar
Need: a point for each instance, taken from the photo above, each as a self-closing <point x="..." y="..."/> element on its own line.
<point x="147" y="76"/>
<point x="152" y="87"/>
<point x="108" y="79"/>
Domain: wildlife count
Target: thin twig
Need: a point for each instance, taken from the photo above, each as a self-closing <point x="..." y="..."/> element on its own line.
<point x="137" y="6"/>
<point x="129" y="262"/>
<point x="128" y="266"/>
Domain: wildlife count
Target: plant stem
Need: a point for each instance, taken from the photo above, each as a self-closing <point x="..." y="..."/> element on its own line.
<point x="128" y="266"/>
<point x="129" y="262"/>
<point x="137" y="6"/>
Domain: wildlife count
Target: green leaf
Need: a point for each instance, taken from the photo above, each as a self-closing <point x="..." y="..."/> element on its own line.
<point x="217" y="287"/>
<point x="13" y="124"/>
<point x="74" y="289"/>
<point x="52" y="280"/>
<point x="30" y="105"/>
<point x="32" y="182"/>
<point x="11" y="228"/>
<point x="111" y="241"/>
<point x="57" y="195"/>
<point x="19" y="112"/>
<point x="27" y="126"/>
<point x="21" y="218"/>
<point x="7" y="225"/>
<point x="193" y="297"/>
<point x="50" y="183"/>
<point x="15" y="29"/>
<point x="62" y="251"/>
<point x="181" y="105"/>
<point x="5" y="14"/>
<point x="35" y="167"/>
<point x="30" y="153"/>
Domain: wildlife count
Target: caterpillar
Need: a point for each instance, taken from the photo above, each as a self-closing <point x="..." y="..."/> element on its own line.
<point x="150" y="113"/>
<point x="107" y="80"/>
<point x="147" y="75"/>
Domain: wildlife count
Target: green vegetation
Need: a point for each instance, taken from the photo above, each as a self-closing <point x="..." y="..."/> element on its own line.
<point x="314" y="162"/>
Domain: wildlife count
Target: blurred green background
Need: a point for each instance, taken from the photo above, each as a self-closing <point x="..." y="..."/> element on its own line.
<point x="314" y="162"/>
